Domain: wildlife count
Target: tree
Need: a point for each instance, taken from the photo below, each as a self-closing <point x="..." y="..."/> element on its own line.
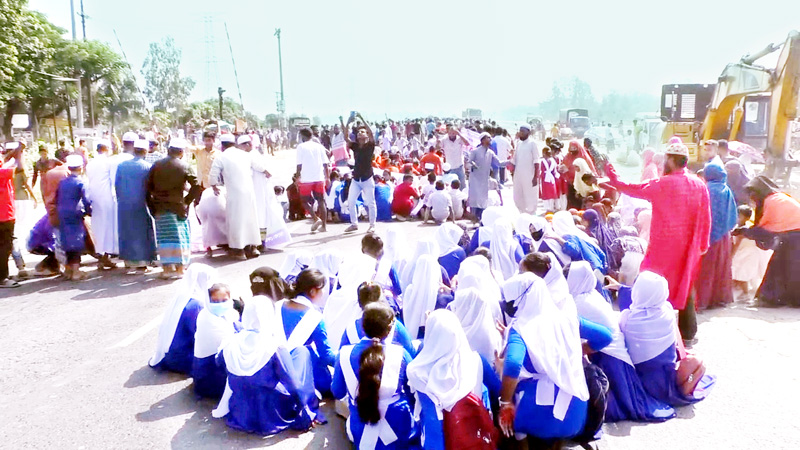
<point x="272" y="121"/>
<point x="95" y="63"/>
<point x="164" y="86"/>
<point x="11" y="41"/>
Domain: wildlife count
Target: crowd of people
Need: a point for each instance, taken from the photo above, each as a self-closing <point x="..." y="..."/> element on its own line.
<point x="576" y="305"/>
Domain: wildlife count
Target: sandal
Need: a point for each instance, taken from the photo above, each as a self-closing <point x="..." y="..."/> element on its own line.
<point x="9" y="283"/>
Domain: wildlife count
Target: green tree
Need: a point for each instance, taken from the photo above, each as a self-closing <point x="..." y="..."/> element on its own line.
<point x="11" y="41"/>
<point x="164" y="86"/>
<point x="96" y="64"/>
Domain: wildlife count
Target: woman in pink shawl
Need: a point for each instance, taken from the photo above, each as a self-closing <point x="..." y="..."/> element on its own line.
<point x="649" y="167"/>
<point x="576" y="151"/>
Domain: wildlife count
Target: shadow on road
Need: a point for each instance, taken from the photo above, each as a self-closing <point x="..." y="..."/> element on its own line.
<point x="147" y="376"/>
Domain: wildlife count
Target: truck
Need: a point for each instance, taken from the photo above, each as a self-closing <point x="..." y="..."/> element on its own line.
<point x="573" y="123"/>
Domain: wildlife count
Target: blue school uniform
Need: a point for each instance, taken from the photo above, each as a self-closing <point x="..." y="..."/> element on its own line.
<point x="383" y="194"/>
<point x="397" y="425"/>
<point x="660" y="380"/>
<point x="398" y="336"/>
<point x="478" y="240"/>
<point x="451" y="262"/>
<point x="432" y="424"/>
<point x="580" y="250"/>
<point x="322" y="355"/>
<point x="538" y="420"/>
<point x="277" y="397"/>
<point x="209" y="378"/>
<point x="180" y="356"/>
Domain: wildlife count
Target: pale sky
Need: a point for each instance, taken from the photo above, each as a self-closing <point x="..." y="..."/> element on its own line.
<point x="413" y="58"/>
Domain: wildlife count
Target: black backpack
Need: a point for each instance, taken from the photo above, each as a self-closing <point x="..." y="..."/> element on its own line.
<point x="597" y="381"/>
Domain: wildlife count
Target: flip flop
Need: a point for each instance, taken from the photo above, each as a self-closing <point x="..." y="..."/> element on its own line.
<point x="8" y="284"/>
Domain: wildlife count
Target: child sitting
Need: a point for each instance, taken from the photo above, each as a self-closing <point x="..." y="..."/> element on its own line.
<point x="330" y="196"/>
<point x="404" y="195"/>
<point x="296" y="210"/>
<point x="439" y="205"/>
<point x="280" y="194"/>
<point x="458" y="199"/>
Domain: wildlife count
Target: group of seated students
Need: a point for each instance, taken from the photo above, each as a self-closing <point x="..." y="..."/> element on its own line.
<point x="435" y="349"/>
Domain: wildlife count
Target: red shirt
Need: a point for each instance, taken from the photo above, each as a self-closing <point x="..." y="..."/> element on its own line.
<point x="7" y="194"/>
<point x="402" y="202"/>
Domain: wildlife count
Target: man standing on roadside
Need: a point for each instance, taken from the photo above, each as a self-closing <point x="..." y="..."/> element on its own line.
<point x="205" y="157"/>
<point x="312" y="171"/>
<point x="680" y="232"/>
<point x="453" y="147"/>
<point x="100" y="189"/>
<point x="362" y="183"/>
<point x="7" y="220"/>
<point x="526" y="172"/>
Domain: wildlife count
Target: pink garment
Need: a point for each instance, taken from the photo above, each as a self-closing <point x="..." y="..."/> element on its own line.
<point x="649" y="167"/>
<point x="643" y="221"/>
<point x="681" y="227"/>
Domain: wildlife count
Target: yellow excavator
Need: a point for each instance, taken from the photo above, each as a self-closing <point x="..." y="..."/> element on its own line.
<point x="749" y="103"/>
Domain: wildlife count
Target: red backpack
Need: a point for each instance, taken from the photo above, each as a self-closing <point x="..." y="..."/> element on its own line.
<point x="468" y="426"/>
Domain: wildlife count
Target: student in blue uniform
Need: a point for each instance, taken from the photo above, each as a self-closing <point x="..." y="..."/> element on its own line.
<point x="369" y="293"/>
<point x="451" y="255"/>
<point x="302" y="325"/>
<point x="268" y="390"/>
<point x="175" y="346"/>
<point x="215" y="323"/>
<point x="650" y="335"/>
<point x="425" y="293"/>
<point x="425" y="246"/>
<point x="545" y="401"/>
<point x="383" y="199"/>
<point x="386" y="273"/>
<point x="294" y="263"/>
<point x="371" y="374"/>
<point x="627" y="398"/>
<point x="531" y="232"/>
<point x="506" y="251"/>
<point x="445" y="371"/>
<point x="577" y="244"/>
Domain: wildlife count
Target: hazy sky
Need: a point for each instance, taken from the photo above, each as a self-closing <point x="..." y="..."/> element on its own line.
<point x="434" y="57"/>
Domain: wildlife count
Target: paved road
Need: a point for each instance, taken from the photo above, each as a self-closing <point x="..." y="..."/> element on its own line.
<point x="75" y="373"/>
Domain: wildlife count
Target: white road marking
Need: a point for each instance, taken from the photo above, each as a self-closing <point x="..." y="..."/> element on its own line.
<point x="138" y="334"/>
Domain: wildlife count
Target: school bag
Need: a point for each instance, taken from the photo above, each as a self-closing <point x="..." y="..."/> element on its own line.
<point x="468" y="426"/>
<point x="597" y="381"/>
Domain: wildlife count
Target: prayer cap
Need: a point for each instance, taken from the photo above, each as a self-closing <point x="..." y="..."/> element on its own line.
<point x="150" y="136"/>
<point x="74" y="161"/>
<point x="525" y="126"/>
<point x="177" y="143"/>
<point x="142" y="144"/>
<point x="130" y="136"/>
<point x="104" y="143"/>
<point x="677" y="149"/>
<point x="243" y="139"/>
<point x="485" y="134"/>
<point x="227" y="138"/>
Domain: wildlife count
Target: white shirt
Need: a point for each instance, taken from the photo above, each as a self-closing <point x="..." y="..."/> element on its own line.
<point x="457" y="198"/>
<point x="311" y="157"/>
<point x="503" y="146"/>
<point x="453" y="152"/>
<point x="440" y="203"/>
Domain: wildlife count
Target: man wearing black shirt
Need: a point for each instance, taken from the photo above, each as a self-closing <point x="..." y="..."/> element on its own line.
<point x="362" y="184"/>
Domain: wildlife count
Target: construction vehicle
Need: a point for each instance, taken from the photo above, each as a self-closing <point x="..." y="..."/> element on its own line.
<point x="573" y="123"/>
<point x="749" y="103"/>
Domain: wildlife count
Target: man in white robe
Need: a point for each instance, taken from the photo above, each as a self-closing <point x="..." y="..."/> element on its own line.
<point x="233" y="169"/>
<point x="526" y="172"/>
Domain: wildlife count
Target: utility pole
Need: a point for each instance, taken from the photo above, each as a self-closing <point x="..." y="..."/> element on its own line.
<point x="282" y="101"/>
<point x="72" y="15"/>
<point x="79" y="105"/>
<point x="83" y="21"/>
<point x="220" y="91"/>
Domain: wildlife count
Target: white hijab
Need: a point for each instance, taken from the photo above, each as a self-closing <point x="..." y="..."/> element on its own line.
<point x="396" y="248"/>
<point x="448" y="235"/>
<point x="539" y="224"/>
<point x="342" y="305"/>
<point x="194" y="285"/>
<point x="476" y="316"/>
<point x="553" y="341"/>
<point x="594" y="308"/>
<point x="425" y="246"/>
<point x="295" y="262"/>
<point x="250" y="350"/>
<point x="420" y="297"/>
<point x="212" y="330"/>
<point x="649" y="325"/>
<point x="564" y="225"/>
<point x="328" y="262"/>
<point x="475" y="272"/>
<point x="446" y="369"/>
<point x="503" y="246"/>
<point x="559" y="289"/>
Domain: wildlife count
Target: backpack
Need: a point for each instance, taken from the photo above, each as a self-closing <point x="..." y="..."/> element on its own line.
<point x="468" y="426"/>
<point x="597" y="381"/>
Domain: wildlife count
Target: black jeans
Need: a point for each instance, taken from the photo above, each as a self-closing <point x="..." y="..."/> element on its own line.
<point x="687" y="319"/>
<point x="6" y="238"/>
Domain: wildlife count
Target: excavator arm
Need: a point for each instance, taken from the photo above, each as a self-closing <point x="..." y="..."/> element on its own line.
<point x="785" y="89"/>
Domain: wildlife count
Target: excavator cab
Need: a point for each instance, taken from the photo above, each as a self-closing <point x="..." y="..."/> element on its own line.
<point x="683" y="109"/>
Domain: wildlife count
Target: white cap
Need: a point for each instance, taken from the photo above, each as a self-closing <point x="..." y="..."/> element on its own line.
<point x="150" y="136"/>
<point x="227" y="138"/>
<point x="677" y="149"/>
<point x="74" y="161"/>
<point x="104" y="143"/>
<point x="243" y="139"/>
<point x="12" y="145"/>
<point x="177" y="143"/>
<point x="525" y="126"/>
<point x="130" y="136"/>
<point x="485" y="134"/>
<point x="141" y="143"/>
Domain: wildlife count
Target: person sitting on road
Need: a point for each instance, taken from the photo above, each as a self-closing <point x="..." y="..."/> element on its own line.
<point x="216" y="322"/>
<point x="369" y="293"/>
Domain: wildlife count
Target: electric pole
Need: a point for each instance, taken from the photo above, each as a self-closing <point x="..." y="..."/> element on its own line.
<point x="79" y="105"/>
<point x="83" y="21"/>
<point x="72" y="15"/>
<point x="282" y="101"/>
<point x="220" y="91"/>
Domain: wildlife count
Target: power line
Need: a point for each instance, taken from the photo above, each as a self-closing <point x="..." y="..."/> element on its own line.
<point x="235" y="74"/>
<point x="141" y="94"/>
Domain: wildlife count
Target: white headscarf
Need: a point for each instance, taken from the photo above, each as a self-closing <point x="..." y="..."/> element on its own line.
<point x="475" y="313"/>
<point x="539" y="224"/>
<point x="503" y="247"/>
<point x="420" y="297"/>
<point x="448" y="235"/>
<point x="342" y="305"/>
<point x="396" y="248"/>
<point x="295" y="262"/>
<point x="523" y="224"/>
<point x="446" y="369"/>
<point x="475" y="272"/>
<point x="425" y="246"/>
<point x="564" y="225"/>
<point x="582" y="169"/>
<point x="212" y="330"/>
<point x="559" y="289"/>
<point x="649" y="325"/>
<point x="594" y="308"/>
<point x="250" y="350"/>
<point x="328" y="262"/>
<point x="553" y="341"/>
<point x="194" y="285"/>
